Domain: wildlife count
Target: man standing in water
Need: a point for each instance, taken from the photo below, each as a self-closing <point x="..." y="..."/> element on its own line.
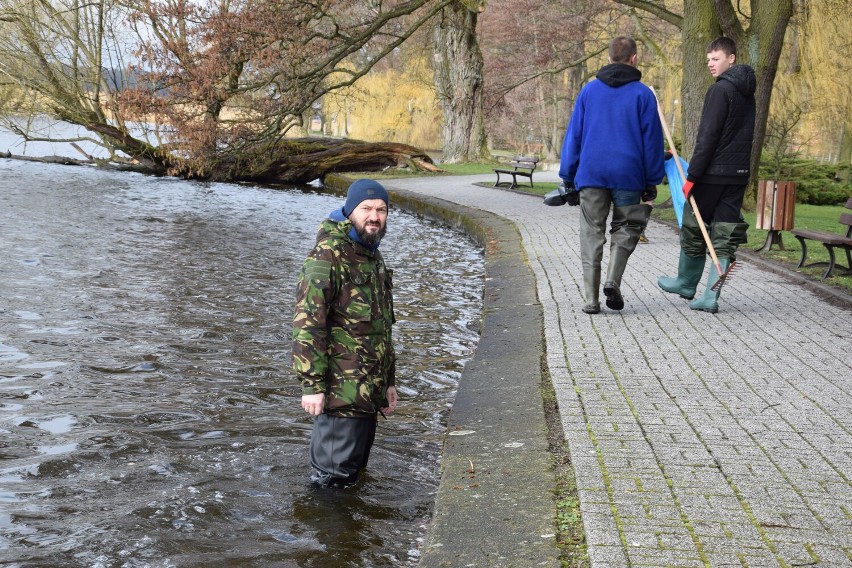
<point x="342" y="344"/>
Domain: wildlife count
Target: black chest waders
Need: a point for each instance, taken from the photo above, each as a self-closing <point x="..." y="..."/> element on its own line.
<point x="340" y="448"/>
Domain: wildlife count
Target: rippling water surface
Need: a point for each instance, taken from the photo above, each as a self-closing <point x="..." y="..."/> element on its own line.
<point x="148" y="415"/>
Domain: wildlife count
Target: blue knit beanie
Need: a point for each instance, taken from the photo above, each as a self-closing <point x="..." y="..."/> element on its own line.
<point x="361" y="190"/>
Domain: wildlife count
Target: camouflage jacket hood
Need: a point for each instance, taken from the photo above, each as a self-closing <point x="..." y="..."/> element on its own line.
<point x="342" y="328"/>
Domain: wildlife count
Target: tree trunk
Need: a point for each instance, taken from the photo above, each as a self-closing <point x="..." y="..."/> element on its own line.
<point x="844" y="152"/>
<point x="761" y="49"/>
<point x="700" y="27"/>
<point x="303" y="160"/>
<point x="290" y="161"/>
<point x="459" y="83"/>
<point x="759" y="46"/>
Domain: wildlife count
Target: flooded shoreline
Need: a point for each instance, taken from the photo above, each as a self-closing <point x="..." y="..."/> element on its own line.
<point x="148" y="416"/>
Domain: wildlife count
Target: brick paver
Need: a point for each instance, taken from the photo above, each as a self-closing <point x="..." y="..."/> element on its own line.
<point x="697" y="439"/>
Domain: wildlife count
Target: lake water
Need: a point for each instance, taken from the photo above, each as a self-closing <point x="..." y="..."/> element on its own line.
<point x="148" y="413"/>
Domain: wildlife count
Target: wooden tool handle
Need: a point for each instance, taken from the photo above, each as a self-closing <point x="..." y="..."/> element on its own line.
<point x="676" y="158"/>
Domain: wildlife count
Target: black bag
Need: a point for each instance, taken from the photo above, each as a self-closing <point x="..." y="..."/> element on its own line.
<point x="562" y="195"/>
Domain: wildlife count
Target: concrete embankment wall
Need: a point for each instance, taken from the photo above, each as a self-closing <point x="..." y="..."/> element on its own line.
<point x="495" y="504"/>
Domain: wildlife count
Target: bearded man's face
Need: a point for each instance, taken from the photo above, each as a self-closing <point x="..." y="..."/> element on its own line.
<point x="370" y="220"/>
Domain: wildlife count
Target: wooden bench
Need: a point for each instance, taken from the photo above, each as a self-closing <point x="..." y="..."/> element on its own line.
<point x="830" y="241"/>
<point x="521" y="166"/>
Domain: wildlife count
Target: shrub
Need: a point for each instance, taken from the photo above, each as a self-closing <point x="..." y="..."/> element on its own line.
<point x="822" y="192"/>
<point x="815" y="181"/>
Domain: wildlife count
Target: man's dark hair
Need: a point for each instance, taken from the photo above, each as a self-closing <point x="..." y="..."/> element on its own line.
<point x="621" y="49"/>
<point x="725" y="44"/>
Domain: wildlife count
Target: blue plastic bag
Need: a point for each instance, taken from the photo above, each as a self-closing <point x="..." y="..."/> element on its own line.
<point x="676" y="186"/>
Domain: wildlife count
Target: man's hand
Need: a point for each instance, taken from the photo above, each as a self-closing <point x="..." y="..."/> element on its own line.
<point x="650" y="193"/>
<point x="392" y="399"/>
<point x="313" y="403"/>
<point x="572" y="198"/>
<point x="687" y="188"/>
<point x="564" y="193"/>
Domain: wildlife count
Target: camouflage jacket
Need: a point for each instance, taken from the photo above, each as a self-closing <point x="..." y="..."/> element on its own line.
<point x="342" y="341"/>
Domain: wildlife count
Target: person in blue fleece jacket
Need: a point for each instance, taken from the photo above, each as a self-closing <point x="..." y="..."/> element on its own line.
<point x="612" y="156"/>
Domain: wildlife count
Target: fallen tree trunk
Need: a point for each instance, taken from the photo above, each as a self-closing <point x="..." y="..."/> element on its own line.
<point x="293" y="161"/>
<point x="66" y="161"/>
<point x="45" y="159"/>
<point x="303" y="160"/>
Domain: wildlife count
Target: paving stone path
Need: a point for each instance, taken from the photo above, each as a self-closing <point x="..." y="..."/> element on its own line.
<point x="698" y="439"/>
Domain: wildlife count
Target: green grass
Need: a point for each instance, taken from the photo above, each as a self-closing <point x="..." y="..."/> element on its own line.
<point x="466" y="169"/>
<point x="570" y="535"/>
<point x="814" y="217"/>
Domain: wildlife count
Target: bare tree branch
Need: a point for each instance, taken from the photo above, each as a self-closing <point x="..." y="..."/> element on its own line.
<point x="655" y="8"/>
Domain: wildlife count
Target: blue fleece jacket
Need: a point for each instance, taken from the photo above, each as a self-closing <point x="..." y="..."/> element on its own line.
<point x="614" y="138"/>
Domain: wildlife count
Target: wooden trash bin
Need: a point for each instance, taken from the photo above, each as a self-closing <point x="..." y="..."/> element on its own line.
<point x="776" y="207"/>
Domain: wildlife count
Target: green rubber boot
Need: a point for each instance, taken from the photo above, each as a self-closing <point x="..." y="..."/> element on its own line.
<point x="709" y="302"/>
<point x="689" y="271"/>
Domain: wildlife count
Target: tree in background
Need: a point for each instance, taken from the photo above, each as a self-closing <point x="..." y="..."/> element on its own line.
<point x="459" y="81"/>
<point x="759" y="30"/>
<point x="539" y="54"/>
<point x="395" y="101"/>
<point x="781" y="146"/>
<point x="268" y="63"/>
<point x="215" y="90"/>
<point x="808" y="112"/>
<point x="220" y="84"/>
<point x="821" y="60"/>
<point x="63" y="58"/>
<point x="535" y="61"/>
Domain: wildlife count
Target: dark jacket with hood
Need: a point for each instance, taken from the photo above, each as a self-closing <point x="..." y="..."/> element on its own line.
<point x="722" y="153"/>
<point x="614" y="138"/>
